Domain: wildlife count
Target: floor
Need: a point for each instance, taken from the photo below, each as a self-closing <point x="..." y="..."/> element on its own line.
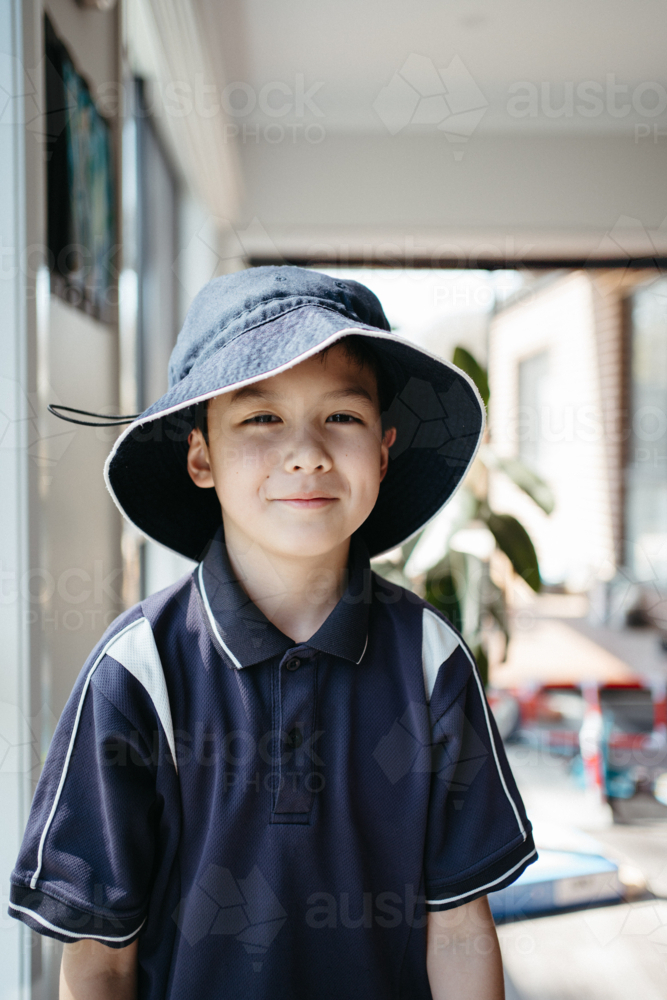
<point x="605" y="953"/>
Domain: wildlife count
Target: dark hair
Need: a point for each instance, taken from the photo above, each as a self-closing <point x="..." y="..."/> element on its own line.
<point x="357" y="349"/>
<point x="201" y="418"/>
<point x="362" y="353"/>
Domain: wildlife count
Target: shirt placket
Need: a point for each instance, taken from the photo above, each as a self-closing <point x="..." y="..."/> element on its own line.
<point x="295" y="778"/>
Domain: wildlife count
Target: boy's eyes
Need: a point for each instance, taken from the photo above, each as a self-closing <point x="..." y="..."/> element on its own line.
<point x="263" y="418"/>
<point x="271" y="418"/>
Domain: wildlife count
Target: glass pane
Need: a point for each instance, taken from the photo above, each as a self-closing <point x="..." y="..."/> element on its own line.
<point x="646" y="501"/>
<point x="533" y="375"/>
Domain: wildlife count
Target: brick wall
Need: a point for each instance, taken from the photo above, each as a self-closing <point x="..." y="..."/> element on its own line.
<point x="611" y="290"/>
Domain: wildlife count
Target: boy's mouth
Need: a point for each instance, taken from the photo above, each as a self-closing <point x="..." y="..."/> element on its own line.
<point x="307" y="501"/>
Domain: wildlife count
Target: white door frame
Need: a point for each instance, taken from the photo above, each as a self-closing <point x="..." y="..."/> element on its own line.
<point x="21" y="198"/>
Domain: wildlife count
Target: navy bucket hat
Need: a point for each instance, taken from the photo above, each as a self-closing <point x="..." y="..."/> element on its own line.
<point x="256" y="323"/>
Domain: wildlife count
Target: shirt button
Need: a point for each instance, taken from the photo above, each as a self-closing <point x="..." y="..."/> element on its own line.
<point x="293" y="664"/>
<point x="295" y="737"/>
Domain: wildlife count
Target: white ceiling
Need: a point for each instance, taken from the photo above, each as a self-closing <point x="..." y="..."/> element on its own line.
<point x="414" y="140"/>
<point x="352" y="49"/>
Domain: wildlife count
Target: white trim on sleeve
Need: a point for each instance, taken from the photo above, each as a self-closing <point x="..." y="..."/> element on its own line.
<point x="60" y="930"/>
<point x="481" y="888"/>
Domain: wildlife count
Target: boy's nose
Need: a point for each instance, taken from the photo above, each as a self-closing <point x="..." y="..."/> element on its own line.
<point x="307" y="454"/>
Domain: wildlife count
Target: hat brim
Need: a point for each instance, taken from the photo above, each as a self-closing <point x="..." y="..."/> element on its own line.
<point x="437" y="411"/>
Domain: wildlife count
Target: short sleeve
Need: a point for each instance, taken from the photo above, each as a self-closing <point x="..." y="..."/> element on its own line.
<point x="88" y="853"/>
<point x="478" y="837"/>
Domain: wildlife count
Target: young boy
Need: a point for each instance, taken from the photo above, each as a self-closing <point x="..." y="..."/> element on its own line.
<point x="279" y="778"/>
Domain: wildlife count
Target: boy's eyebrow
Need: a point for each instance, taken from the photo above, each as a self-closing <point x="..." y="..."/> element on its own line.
<point x="353" y="390"/>
<point x="256" y="392"/>
<point x="250" y="392"/>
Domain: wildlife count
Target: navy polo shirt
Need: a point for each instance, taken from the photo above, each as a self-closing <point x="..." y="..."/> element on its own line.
<point x="271" y="818"/>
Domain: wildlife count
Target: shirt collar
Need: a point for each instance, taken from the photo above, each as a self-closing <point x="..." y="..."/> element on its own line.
<point x="247" y="636"/>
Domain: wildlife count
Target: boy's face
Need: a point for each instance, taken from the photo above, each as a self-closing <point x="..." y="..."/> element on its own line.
<point x="297" y="459"/>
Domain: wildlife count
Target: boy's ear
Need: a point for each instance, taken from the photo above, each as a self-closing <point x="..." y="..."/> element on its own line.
<point x="199" y="462"/>
<point x="388" y="439"/>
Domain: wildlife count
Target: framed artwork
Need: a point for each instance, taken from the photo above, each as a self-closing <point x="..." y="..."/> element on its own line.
<point x="80" y="187"/>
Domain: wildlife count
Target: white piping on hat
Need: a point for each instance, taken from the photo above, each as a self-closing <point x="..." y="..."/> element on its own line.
<point x="379" y="335"/>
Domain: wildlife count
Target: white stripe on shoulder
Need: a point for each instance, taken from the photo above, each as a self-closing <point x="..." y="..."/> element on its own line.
<point x="56" y="800"/>
<point x="149" y="674"/>
<point x="493" y="743"/>
<point x="438" y="643"/>
<point x="135" y="649"/>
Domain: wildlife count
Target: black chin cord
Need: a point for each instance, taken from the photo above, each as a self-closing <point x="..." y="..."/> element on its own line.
<point x="113" y="420"/>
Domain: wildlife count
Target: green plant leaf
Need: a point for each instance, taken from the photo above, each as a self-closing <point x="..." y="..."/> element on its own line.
<point x="497" y="609"/>
<point x="464" y="360"/>
<point x="482" y="661"/>
<point x="513" y="539"/>
<point x="441" y="592"/>
<point x="522" y="476"/>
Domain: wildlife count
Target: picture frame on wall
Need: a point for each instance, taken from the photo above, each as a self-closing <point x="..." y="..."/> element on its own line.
<point x="81" y="211"/>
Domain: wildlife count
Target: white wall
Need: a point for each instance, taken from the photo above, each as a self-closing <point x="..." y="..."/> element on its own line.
<point x="288" y="124"/>
<point x="91" y="37"/>
<point x="56" y="516"/>
<point x="82" y="562"/>
<point x="575" y="543"/>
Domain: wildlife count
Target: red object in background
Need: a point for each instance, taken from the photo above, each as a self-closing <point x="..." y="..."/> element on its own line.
<point x="551" y="715"/>
<point x="660" y="707"/>
<point x="620" y="730"/>
<point x="590" y="738"/>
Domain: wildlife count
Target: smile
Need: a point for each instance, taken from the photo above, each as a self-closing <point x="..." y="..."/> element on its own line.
<point x="305" y="502"/>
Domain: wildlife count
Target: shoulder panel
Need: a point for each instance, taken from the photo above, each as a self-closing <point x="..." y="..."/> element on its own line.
<point x="135" y="649"/>
<point x="439" y="641"/>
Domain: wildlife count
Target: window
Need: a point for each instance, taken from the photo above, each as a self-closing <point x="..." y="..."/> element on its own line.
<point x="646" y="471"/>
<point x="533" y="375"/>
